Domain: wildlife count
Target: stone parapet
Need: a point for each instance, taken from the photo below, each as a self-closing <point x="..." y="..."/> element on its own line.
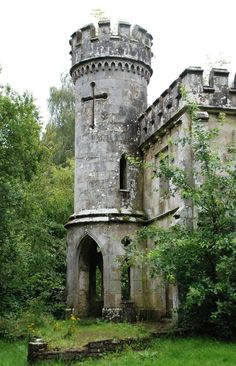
<point x="217" y="94"/>
<point x="97" y="49"/>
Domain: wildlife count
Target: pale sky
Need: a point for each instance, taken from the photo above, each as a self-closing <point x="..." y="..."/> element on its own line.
<point x="34" y="36"/>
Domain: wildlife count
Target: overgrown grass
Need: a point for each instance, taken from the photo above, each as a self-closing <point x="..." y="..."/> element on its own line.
<point x="162" y="352"/>
<point x="66" y="333"/>
<point x="76" y="333"/>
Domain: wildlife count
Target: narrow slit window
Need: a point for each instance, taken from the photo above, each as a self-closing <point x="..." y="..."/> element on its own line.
<point x="161" y="159"/>
<point x="123" y="172"/>
<point x="164" y="184"/>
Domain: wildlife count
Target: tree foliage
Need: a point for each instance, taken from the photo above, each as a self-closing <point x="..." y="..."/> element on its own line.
<point x="200" y="260"/>
<point x="20" y="153"/>
<point x="36" y="201"/>
<point x="60" y="131"/>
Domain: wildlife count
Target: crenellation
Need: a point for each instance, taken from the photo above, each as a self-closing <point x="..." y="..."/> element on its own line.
<point x="148" y="39"/>
<point x="139" y="34"/>
<point x="234" y="82"/>
<point x="88" y="43"/>
<point x="216" y="94"/>
<point x="218" y="90"/>
<point x="88" y="32"/>
<point x="124" y="29"/>
<point x="232" y="92"/>
<point x="218" y="78"/>
<point x="104" y="30"/>
<point x="78" y="37"/>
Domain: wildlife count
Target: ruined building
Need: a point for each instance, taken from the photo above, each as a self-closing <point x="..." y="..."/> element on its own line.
<point x="113" y="198"/>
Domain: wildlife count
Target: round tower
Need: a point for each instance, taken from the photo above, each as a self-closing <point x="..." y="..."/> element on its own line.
<point x="110" y="73"/>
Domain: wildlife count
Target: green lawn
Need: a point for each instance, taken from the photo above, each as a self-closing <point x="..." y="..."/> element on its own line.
<point x="162" y="352"/>
<point x="13" y="353"/>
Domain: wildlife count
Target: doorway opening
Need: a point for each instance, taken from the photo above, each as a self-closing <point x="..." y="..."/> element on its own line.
<point x="90" y="278"/>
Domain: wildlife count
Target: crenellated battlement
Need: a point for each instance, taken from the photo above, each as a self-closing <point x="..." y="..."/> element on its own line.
<point x="128" y="45"/>
<point x="217" y="93"/>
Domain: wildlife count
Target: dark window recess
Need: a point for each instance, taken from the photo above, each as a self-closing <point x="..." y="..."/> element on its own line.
<point x="125" y="282"/>
<point x="123" y="172"/>
<point x="126" y="240"/>
<point x="164" y="184"/>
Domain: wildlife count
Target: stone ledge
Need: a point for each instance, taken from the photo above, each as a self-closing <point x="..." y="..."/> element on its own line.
<point x="38" y="351"/>
<point x="106" y="215"/>
<point x="107" y="211"/>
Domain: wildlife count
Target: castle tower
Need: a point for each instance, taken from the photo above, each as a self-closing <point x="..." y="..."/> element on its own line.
<point x="110" y="73"/>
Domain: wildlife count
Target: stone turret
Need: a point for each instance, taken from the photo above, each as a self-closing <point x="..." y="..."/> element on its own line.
<point x="111" y="73"/>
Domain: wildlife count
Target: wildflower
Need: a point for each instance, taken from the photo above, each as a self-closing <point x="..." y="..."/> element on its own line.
<point x="73" y="317"/>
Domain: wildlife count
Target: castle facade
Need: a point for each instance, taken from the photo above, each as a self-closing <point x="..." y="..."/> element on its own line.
<point x="114" y="198"/>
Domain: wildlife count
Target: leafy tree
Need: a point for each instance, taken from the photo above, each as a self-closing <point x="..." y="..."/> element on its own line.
<point x="48" y="204"/>
<point x="36" y="201"/>
<point x="59" y="134"/>
<point x="20" y="153"/>
<point x="200" y="260"/>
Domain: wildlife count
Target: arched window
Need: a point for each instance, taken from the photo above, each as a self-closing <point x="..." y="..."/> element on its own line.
<point x="123" y="172"/>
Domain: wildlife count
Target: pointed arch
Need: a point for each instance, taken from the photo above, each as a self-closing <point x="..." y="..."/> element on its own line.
<point x="87" y="235"/>
<point x="90" y="277"/>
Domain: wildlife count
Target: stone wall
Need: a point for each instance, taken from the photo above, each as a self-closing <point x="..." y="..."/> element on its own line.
<point x="38" y="349"/>
<point x="162" y="125"/>
<point x="108" y="236"/>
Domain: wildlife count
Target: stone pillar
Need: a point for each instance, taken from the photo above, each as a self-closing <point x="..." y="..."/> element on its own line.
<point x="36" y="348"/>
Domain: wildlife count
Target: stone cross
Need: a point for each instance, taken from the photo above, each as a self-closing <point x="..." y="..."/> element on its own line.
<point x="93" y="97"/>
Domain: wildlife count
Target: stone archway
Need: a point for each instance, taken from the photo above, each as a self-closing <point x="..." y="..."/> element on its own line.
<point x="90" y="277"/>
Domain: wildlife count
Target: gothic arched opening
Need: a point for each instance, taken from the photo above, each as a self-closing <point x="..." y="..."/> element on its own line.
<point x="90" y="278"/>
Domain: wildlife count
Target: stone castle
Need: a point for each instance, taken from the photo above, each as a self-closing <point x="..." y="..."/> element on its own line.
<point x="114" y="198"/>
